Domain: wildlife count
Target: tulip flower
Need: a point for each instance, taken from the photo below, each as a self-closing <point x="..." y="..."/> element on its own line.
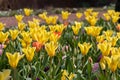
<point x="95" y="14"/>
<point x="88" y="12"/>
<point x="50" y="48"/>
<point x="115" y="51"/>
<point x="105" y="48"/>
<point x="76" y="28"/>
<point x="42" y="37"/>
<point x="107" y="16"/>
<point x="112" y="62"/>
<point x="118" y="35"/>
<point x="21" y="26"/>
<point x="65" y="15"/>
<point x="60" y="28"/>
<point x="92" y="20"/>
<point x="43" y="15"/>
<point x="14" y="34"/>
<point x="65" y="75"/>
<point x="84" y="47"/>
<point x="29" y="52"/>
<point x="37" y="45"/>
<point x="118" y="27"/>
<point x="27" y="11"/>
<point x="52" y="28"/>
<point x="26" y="39"/>
<point x="3" y="36"/>
<point x="14" y="58"/>
<point x="54" y="19"/>
<point x="1" y="51"/>
<point x="54" y="37"/>
<point x="37" y="21"/>
<point x="78" y="15"/>
<point x="19" y="18"/>
<point x="100" y="38"/>
<point x="32" y="24"/>
<point x="108" y="33"/>
<point x="115" y="19"/>
<point x="51" y="19"/>
<point x="102" y="63"/>
<point x="111" y="12"/>
<point x="94" y="31"/>
<point x="2" y="26"/>
<point x="113" y="40"/>
<point x="5" y="75"/>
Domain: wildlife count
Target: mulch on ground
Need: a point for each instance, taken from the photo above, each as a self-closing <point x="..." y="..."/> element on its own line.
<point x="11" y="21"/>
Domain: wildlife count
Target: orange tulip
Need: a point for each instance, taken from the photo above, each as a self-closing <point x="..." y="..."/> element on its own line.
<point x="37" y="45"/>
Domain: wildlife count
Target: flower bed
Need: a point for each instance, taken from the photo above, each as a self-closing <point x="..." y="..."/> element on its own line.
<point x="56" y="50"/>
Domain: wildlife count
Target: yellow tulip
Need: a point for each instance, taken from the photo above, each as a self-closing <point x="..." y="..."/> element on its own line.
<point x="43" y="15"/>
<point x="108" y="33"/>
<point x="14" y="58"/>
<point x="115" y="19"/>
<point x="54" y="19"/>
<point x="88" y="12"/>
<point x="77" y="27"/>
<point x="5" y="75"/>
<point x="66" y="75"/>
<point x="42" y="27"/>
<point x="32" y="24"/>
<point x="71" y="76"/>
<point x="27" y="11"/>
<point x="100" y="39"/>
<point x="50" y="48"/>
<point x="21" y="26"/>
<point x="49" y="19"/>
<point x="2" y="26"/>
<point x="29" y="52"/>
<point x="37" y="21"/>
<point x="52" y="28"/>
<point x="112" y="62"/>
<point x="78" y="15"/>
<point x="14" y="34"/>
<point x="107" y="16"/>
<point x="26" y="36"/>
<point x="102" y="63"/>
<point x="92" y="20"/>
<point x="113" y="40"/>
<point x="118" y="35"/>
<point x="84" y="47"/>
<point x="54" y="37"/>
<point x="19" y="18"/>
<point x="26" y="39"/>
<point x="95" y="14"/>
<point x="75" y="30"/>
<point x="60" y="28"/>
<point x="42" y="37"/>
<point x="115" y="51"/>
<point x="110" y="12"/>
<point x="105" y="48"/>
<point x="78" y="24"/>
<point x="65" y="15"/>
<point x="3" y="36"/>
<point x="94" y="31"/>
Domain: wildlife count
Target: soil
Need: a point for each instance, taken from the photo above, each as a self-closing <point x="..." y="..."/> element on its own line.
<point x="11" y="21"/>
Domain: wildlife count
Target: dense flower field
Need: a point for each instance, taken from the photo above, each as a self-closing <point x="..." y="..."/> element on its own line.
<point x="54" y="50"/>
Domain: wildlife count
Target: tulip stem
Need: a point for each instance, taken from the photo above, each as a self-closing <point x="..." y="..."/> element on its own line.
<point x="51" y="68"/>
<point x="15" y="74"/>
<point x="31" y="70"/>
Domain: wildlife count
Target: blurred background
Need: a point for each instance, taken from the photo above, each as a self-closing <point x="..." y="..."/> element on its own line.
<point x="38" y="4"/>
